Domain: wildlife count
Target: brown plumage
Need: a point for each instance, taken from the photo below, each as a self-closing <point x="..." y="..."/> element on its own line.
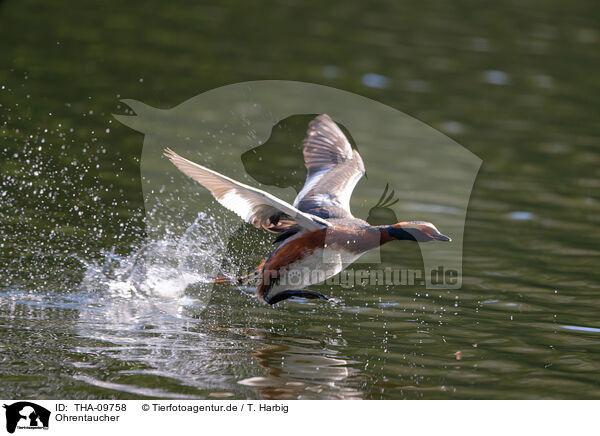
<point x="318" y="234"/>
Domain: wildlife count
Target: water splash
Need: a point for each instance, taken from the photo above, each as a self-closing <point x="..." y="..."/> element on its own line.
<point x="171" y="270"/>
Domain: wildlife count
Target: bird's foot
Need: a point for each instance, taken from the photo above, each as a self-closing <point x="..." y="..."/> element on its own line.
<point x="289" y="294"/>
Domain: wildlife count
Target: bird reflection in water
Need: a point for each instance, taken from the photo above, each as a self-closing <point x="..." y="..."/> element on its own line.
<point x="296" y="372"/>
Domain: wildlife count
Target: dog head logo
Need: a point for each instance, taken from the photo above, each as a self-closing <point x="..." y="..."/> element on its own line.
<point x="235" y="131"/>
<point x="24" y="414"/>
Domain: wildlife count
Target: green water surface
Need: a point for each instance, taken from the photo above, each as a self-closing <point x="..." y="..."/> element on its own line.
<point x="515" y="82"/>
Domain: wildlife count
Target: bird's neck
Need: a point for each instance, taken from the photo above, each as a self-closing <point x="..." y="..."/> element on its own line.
<point x="363" y="240"/>
<point x="391" y="233"/>
<point x="376" y="236"/>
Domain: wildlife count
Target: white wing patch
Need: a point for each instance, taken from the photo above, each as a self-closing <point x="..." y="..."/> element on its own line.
<point x="253" y="205"/>
<point x="334" y="168"/>
<point x="310" y="184"/>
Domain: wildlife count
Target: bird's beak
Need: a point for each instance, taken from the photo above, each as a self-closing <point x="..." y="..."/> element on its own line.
<point x="440" y="237"/>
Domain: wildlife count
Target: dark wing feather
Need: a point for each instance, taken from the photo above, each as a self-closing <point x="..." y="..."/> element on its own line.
<point x="334" y="169"/>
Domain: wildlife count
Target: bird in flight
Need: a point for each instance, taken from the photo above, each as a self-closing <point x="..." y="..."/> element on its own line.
<point x="317" y="236"/>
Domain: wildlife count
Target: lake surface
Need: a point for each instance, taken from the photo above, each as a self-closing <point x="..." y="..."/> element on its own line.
<point x="90" y="306"/>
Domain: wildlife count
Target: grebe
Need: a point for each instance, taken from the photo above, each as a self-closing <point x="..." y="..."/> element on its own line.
<point x="317" y="234"/>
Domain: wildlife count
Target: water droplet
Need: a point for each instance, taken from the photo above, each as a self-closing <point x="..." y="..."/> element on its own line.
<point x="373" y="80"/>
<point x="496" y="77"/>
<point x="521" y="216"/>
<point x="452" y="127"/>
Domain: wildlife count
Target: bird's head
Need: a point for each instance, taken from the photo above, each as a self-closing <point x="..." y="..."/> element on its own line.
<point x="420" y="231"/>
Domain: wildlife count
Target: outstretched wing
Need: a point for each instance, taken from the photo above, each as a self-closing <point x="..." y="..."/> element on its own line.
<point x="334" y="169"/>
<point x="254" y="206"/>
